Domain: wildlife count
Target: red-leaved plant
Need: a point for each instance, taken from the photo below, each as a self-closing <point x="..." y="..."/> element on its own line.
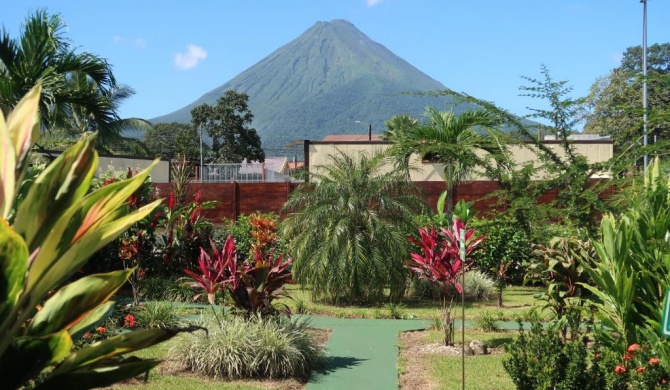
<point x="252" y="287"/>
<point x="440" y="263"/>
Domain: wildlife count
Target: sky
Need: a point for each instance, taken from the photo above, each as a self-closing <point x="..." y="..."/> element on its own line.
<point x="171" y="52"/>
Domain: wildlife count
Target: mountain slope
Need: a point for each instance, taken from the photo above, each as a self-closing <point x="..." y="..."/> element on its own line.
<point x="323" y="81"/>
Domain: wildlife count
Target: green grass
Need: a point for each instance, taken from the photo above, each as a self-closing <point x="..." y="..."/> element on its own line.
<point x="517" y="300"/>
<point x="481" y="372"/>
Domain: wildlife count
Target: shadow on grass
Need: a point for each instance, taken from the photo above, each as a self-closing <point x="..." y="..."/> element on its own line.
<point x="334" y="363"/>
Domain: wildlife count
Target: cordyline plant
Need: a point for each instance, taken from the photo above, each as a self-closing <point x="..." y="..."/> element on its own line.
<point x="49" y="228"/>
<point x="440" y="263"/>
<point x="252" y="287"/>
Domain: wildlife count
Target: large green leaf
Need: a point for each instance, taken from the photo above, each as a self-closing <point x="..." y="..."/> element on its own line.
<point x="75" y="301"/>
<point x="99" y="375"/>
<point x="82" y="230"/>
<point x="7" y="170"/>
<point x="23" y="126"/>
<point x="62" y="184"/>
<point x="117" y="345"/>
<point x="13" y="267"/>
<point x="27" y="356"/>
<point x="95" y="318"/>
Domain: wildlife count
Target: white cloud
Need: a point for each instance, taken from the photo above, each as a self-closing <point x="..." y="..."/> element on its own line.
<point x="372" y="3"/>
<point x="190" y="57"/>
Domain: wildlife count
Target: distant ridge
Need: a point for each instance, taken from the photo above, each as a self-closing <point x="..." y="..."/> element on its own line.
<point x="324" y="81"/>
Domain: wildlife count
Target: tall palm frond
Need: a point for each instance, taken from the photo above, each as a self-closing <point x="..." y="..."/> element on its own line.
<point x="347" y="229"/>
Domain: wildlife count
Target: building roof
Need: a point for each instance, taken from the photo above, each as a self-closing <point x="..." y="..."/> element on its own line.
<point x="352" y="137"/>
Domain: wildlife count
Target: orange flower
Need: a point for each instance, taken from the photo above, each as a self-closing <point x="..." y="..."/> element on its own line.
<point x="640" y="370"/>
<point x="101" y="329"/>
<point x="88" y="335"/>
<point x="653" y="361"/>
<point x="633" y="348"/>
<point x="129" y="320"/>
<point x="627" y="356"/>
<point x="619" y="369"/>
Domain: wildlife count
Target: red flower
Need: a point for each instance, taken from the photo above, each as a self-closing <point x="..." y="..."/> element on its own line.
<point x="640" y="370"/>
<point x="619" y="369"/>
<point x="596" y="356"/>
<point x="130" y="320"/>
<point x="88" y="335"/>
<point x="198" y="195"/>
<point x="653" y="361"/>
<point x="101" y="329"/>
<point x="627" y="356"/>
<point x="171" y="201"/>
<point x="664" y="381"/>
<point x="633" y="348"/>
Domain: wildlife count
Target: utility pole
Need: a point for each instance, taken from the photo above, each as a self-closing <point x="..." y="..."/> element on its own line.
<point x="644" y="79"/>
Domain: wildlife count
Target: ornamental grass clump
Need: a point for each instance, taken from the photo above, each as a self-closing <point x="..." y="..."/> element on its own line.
<point x="252" y="347"/>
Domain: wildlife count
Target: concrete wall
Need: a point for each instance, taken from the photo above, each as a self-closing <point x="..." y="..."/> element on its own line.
<point x="319" y="152"/>
<point x="160" y="173"/>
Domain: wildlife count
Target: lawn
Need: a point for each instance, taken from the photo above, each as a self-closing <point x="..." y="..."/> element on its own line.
<point x="517" y="301"/>
<point x="436" y="371"/>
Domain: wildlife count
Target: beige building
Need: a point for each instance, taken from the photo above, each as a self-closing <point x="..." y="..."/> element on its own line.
<point x="317" y="153"/>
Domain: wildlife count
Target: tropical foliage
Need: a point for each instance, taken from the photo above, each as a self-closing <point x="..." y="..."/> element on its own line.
<point x="49" y="228"/>
<point x="441" y="263"/>
<point x="252" y="285"/>
<point x="455" y="141"/>
<point x="79" y="91"/>
<point x="227" y="123"/>
<point x="345" y="229"/>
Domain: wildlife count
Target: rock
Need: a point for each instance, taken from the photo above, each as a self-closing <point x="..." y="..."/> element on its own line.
<point x="479" y="348"/>
<point x="468" y="351"/>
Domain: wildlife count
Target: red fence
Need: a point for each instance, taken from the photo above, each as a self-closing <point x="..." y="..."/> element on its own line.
<point x="234" y="199"/>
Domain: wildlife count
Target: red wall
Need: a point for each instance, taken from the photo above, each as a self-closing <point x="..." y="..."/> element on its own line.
<point x="234" y="199"/>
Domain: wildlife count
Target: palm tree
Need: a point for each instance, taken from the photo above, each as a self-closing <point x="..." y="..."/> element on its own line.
<point x="454" y="140"/>
<point x="73" y="84"/>
<point x="347" y="227"/>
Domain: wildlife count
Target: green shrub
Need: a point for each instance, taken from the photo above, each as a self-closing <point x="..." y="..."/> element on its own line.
<point x="505" y="242"/>
<point x="478" y="287"/>
<point x="395" y="310"/>
<point x="487" y="321"/>
<point x="158" y="288"/>
<point x="540" y="360"/>
<point x="156" y="315"/>
<point x="250" y="348"/>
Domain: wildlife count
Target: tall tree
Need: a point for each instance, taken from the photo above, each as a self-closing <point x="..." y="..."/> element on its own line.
<point x="454" y="140"/>
<point x="73" y="84"/>
<point x="227" y="124"/>
<point x="347" y="226"/>
<point x="171" y="139"/>
<point x="614" y="104"/>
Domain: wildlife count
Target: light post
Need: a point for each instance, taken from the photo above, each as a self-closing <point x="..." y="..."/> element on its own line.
<point x="201" y="167"/>
<point x="644" y="79"/>
<point x="369" y="130"/>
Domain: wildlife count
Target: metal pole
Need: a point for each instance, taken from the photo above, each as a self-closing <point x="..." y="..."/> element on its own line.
<point x="370" y="132"/>
<point x="644" y="80"/>
<point x="201" y="167"/>
<point x="462" y="250"/>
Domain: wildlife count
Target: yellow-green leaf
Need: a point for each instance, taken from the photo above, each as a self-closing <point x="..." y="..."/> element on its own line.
<point x="27" y="356"/>
<point x="23" y="125"/>
<point x="61" y="185"/>
<point x="75" y="301"/>
<point x="83" y="229"/>
<point x="99" y="375"/>
<point x="95" y="318"/>
<point x="117" y="345"/>
<point x="13" y="267"/>
<point x="7" y="170"/>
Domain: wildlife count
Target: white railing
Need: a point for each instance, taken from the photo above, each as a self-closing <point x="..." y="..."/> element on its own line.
<point x="254" y="172"/>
